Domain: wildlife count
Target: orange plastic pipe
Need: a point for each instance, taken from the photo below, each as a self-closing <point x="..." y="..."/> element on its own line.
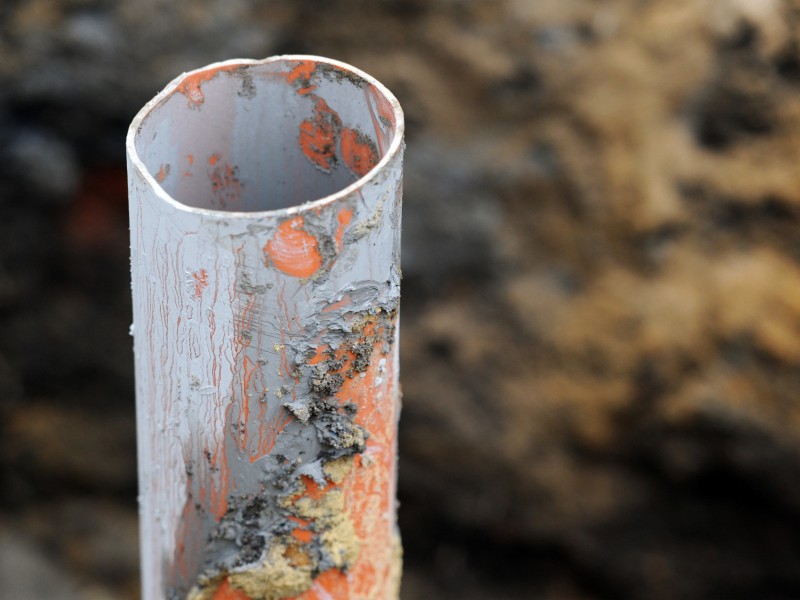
<point x="265" y="203"/>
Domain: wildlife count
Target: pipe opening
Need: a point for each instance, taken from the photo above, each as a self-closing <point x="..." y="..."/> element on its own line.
<point x="255" y="136"/>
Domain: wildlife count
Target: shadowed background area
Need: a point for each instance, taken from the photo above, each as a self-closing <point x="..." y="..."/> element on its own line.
<point x="601" y="294"/>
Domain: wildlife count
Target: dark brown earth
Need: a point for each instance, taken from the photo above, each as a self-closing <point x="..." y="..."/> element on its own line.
<point x="601" y="302"/>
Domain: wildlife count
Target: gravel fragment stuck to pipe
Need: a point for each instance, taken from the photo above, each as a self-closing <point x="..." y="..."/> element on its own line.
<point x="265" y="205"/>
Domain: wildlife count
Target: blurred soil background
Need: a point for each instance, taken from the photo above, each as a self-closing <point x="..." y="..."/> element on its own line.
<point x="601" y="301"/>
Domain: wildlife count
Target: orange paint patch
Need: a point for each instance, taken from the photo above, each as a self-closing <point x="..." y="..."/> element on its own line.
<point x="213" y="159"/>
<point x="162" y="173"/>
<point x="200" y="282"/>
<point x="321" y="355"/>
<point x="318" y="135"/>
<point x="313" y="489"/>
<point x="226" y="591"/>
<point x="190" y="158"/>
<point x="192" y="85"/>
<point x="293" y="250"/>
<point x="302" y="535"/>
<point x="344" y="218"/>
<point x="324" y="352"/>
<point x="301" y="75"/>
<point x="358" y="152"/>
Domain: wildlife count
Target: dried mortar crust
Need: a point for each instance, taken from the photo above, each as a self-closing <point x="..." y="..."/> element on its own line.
<point x="294" y="496"/>
<point x="299" y="527"/>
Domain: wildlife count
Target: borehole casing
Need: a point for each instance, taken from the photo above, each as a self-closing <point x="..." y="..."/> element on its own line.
<point x="265" y="207"/>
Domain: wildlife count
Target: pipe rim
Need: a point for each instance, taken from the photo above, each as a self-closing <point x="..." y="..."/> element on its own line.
<point x="394" y="149"/>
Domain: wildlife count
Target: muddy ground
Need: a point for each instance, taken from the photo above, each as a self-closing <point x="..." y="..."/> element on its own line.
<point x="601" y="294"/>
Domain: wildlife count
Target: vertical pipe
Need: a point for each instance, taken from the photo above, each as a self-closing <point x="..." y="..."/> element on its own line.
<point x="265" y="203"/>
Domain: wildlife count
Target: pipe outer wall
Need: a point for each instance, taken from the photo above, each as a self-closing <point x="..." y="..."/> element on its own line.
<point x="266" y="331"/>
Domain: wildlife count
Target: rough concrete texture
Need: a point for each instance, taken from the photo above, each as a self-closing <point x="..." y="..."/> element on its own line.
<point x="600" y="330"/>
